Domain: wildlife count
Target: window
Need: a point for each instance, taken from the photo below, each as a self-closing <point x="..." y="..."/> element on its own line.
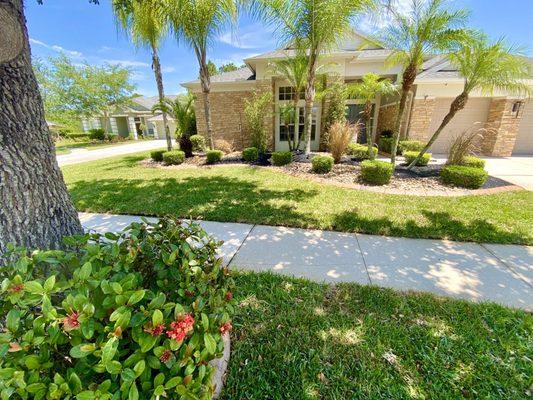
<point x="286" y="128"/>
<point x="301" y="123"/>
<point x="287" y="93"/>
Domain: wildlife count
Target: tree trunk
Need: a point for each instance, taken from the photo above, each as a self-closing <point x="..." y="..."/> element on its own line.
<point x="368" y="128"/>
<point x="36" y="210"/>
<point x="205" y="81"/>
<point x="457" y="105"/>
<point x="408" y="80"/>
<point x="161" y="92"/>
<point x="310" y="99"/>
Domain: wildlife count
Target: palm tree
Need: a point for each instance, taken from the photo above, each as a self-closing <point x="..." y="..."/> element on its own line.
<point x="198" y="23"/>
<point x="428" y="28"/>
<point x="488" y="67"/>
<point x="313" y="25"/>
<point x="370" y="87"/>
<point x="144" y="23"/>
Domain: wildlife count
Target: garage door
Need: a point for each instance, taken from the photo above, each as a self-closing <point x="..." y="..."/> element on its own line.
<point x="524" y="140"/>
<point x="476" y="110"/>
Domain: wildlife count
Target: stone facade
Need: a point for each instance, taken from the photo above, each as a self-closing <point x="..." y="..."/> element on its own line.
<point x="421" y="116"/>
<point x="227" y="115"/>
<point x="502" y="129"/>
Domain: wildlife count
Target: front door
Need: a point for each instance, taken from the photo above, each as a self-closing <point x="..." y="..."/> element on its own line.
<point x="354" y="115"/>
<point x="289" y="129"/>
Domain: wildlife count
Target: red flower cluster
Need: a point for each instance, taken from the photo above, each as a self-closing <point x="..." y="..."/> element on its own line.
<point x="180" y="328"/>
<point x="16" y="288"/>
<point x="154" y="330"/>
<point x="166" y="356"/>
<point x="229" y="296"/>
<point x="70" y="322"/>
<point x="226" y="328"/>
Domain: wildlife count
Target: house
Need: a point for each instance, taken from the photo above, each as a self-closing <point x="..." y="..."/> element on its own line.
<point x="135" y="119"/>
<point x="510" y="118"/>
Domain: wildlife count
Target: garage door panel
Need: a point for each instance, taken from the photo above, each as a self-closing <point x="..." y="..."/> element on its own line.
<point x="524" y="139"/>
<point x="476" y="110"/>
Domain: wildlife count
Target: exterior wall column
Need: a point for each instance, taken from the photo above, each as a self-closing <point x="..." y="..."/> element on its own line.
<point x="154" y="127"/>
<point x="502" y="128"/>
<point x="113" y="123"/>
<point x="85" y="124"/>
<point x="421" y="117"/>
<point x="131" y="127"/>
<point x="96" y="123"/>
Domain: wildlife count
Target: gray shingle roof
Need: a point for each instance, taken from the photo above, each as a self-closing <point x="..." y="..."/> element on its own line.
<point x="143" y="103"/>
<point x="239" y="75"/>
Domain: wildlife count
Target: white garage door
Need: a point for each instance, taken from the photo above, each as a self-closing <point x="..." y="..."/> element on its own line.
<point x="476" y="110"/>
<point x="524" y="140"/>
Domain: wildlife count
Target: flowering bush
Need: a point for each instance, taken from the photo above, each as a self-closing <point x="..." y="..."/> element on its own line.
<point x="136" y="315"/>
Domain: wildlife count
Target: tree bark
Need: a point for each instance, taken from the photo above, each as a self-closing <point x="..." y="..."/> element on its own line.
<point x="368" y="128"/>
<point x="408" y="80"/>
<point x="205" y="81"/>
<point x="36" y="210"/>
<point x="310" y="99"/>
<point x="457" y="105"/>
<point x="161" y="92"/>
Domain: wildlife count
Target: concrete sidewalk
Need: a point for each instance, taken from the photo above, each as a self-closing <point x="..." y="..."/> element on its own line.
<point x="499" y="273"/>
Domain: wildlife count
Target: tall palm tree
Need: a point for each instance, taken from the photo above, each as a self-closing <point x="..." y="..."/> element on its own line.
<point x="144" y="23"/>
<point x="370" y="87"/>
<point x="313" y="25"/>
<point x="488" y="67"/>
<point x="198" y="23"/>
<point x="428" y="28"/>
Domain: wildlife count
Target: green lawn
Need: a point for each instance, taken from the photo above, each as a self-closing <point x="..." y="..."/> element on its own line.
<point x="294" y="339"/>
<point x="258" y="195"/>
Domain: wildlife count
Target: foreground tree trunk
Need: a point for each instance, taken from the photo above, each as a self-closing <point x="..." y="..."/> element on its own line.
<point x="457" y="105"/>
<point x="205" y="82"/>
<point x="309" y="100"/>
<point x="156" y="64"/>
<point x="368" y="128"/>
<point x="35" y="208"/>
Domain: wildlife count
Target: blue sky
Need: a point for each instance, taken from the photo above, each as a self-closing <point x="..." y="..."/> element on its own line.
<point x="87" y="32"/>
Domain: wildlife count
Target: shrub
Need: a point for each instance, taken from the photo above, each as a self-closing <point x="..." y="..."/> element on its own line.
<point x="340" y="135"/>
<point x="360" y="151"/>
<point x="336" y="96"/>
<point x="467" y="177"/>
<point x="213" y="156"/>
<point x="465" y="144"/>
<point x="322" y="164"/>
<point x="117" y="317"/>
<point x="411" y="155"/>
<point x="157" y="155"/>
<point x="474" y="162"/>
<point x="257" y="111"/>
<point x="97" y="134"/>
<point x="198" y="143"/>
<point x="280" y="158"/>
<point x="174" y="157"/>
<point x="411" y="145"/>
<point x="224" y="146"/>
<point x="250" y="154"/>
<point x="78" y="136"/>
<point x="376" y="172"/>
<point x="385" y="144"/>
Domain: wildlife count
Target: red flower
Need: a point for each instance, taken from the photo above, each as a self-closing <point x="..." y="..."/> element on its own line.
<point x="70" y="322"/>
<point x="14" y="347"/>
<point x="16" y="288"/>
<point x="166" y="356"/>
<point x="155" y="330"/>
<point x="180" y="328"/>
<point x="226" y="328"/>
<point x="229" y="296"/>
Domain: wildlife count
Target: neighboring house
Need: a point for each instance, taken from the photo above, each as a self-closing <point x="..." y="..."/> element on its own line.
<point x="133" y="120"/>
<point x="510" y="119"/>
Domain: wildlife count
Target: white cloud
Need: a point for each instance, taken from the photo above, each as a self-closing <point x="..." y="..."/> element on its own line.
<point x="168" y="69"/>
<point x="128" y="63"/>
<point x="254" y="36"/>
<point x="235" y="58"/>
<point x="57" y="48"/>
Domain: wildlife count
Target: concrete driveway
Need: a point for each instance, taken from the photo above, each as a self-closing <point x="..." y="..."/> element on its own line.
<point x="83" y="155"/>
<point x="517" y="169"/>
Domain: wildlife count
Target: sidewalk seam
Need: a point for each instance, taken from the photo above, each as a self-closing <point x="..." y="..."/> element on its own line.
<point x="511" y="269"/>
<point x="363" y="257"/>
<point x="240" y="246"/>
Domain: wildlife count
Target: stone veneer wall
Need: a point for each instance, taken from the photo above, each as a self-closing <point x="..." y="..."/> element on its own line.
<point x="502" y="128"/>
<point x="421" y="116"/>
<point x="227" y="115"/>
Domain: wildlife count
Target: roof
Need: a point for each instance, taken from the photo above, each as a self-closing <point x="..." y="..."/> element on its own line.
<point x="239" y="75"/>
<point x="145" y="103"/>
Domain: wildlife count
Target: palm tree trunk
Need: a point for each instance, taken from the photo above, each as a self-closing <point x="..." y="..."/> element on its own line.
<point x="368" y="128"/>
<point x="457" y="105"/>
<point x="409" y="77"/>
<point x="156" y="65"/>
<point x="205" y="82"/>
<point x="36" y="210"/>
<point x="310" y="99"/>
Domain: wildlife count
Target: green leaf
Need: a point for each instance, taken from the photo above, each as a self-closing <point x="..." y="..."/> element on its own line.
<point x="157" y="318"/>
<point x="210" y="343"/>
<point x="32" y="362"/>
<point x="113" y="367"/>
<point x="173" y="382"/>
<point x="117" y="287"/>
<point x="157" y="301"/>
<point x="147" y="341"/>
<point x="74" y="383"/>
<point x="81" y="350"/>
<point x="133" y="393"/>
<point x="205" y="322"/>
<point x="85" y="271"/>
<point x="136" y="297"/>
<point x="109" y="350"/>
<point x="35" y="387"/>
<point x="49" y="283"/>
<point x="87" y="328"/>
<point x="33" y="287"/>
<point x="13" y="320"/>
<point x="128" y="375"/>
<point x="139" y="368"/>
<point x="86" y="395"/>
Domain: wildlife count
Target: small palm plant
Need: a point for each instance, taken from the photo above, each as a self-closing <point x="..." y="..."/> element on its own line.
<point x="486" y="66"/>
<point x="428" y="28"/>
<point x="146" y="25"/>
<point x="370" y="87"/>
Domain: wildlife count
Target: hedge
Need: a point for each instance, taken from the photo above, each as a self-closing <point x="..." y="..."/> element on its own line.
<point x="359" y="151"/>
<point x="411" y="145"/>
<point x="250" y="154"/>
<point x="410" y="156"/>
<point x="214" y="156"/>
<point x="376" y="172"/>
<point x="157" y="155"/>
<point x="467" y="177"/>
<point x="322" y="164"/>
<point x="280" y="158"/>
<point x="174" y="157"/>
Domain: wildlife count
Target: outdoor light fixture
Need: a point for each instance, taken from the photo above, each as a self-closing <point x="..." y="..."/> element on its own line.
<point x="517" y="107"/>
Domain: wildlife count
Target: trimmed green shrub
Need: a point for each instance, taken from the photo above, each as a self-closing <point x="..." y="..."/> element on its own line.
<point x="157" y="155"/>
<point x="78" y="136"/>
<point x="214" y="156"/>
<point x="97" y="134"/>
<point x="359" y="151"/>
<point x="376" y="172"/>
<point x="467" y="177"/>
<point x="411" y="155"/>
<point x="198" y="142"/>
<point x="280" y="158"/>
<point x="322" y="164"/>
<point x="115" y="317"/>
<point x="385" y="145"/>
<point x="174" y="157"/>
<point x="474" y="162"/>
<point x="411" y="145"/>
<point x="250" y="154"/>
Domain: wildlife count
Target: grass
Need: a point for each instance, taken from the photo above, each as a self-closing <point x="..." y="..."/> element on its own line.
<point x="293" y="339"/>
<point x="262" y="196"/>
<point x="66" y="145"/>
